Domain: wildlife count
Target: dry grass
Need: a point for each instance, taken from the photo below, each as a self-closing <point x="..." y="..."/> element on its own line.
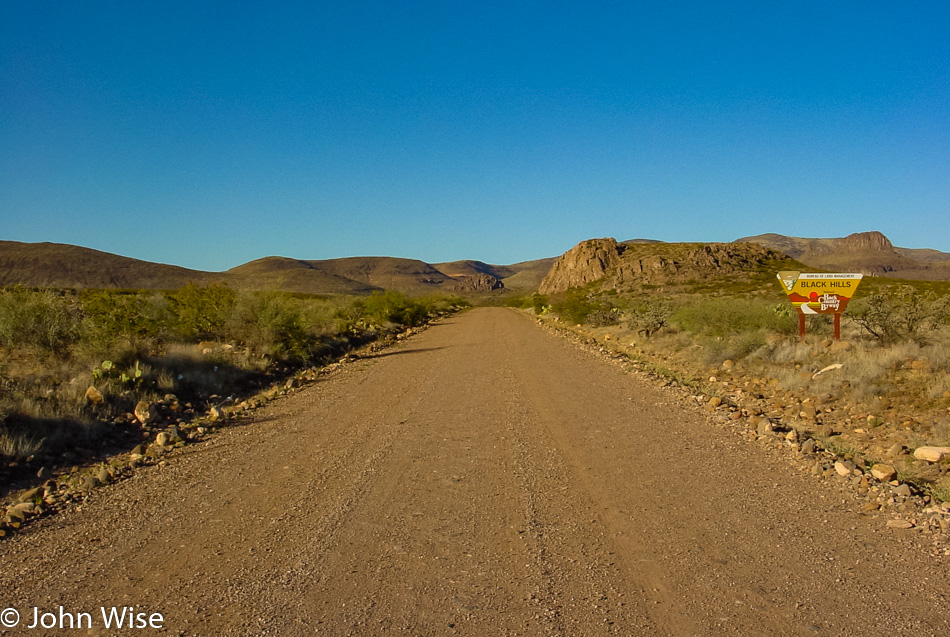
<point x="19" y="444"/>
<point x="705" y="333"/>
<point x="868" y="368"/>
<point x="786" y="351"/>
<point x="941" y="489"/>
<point x="940" y="385"/>
<point x="941" y="431"/>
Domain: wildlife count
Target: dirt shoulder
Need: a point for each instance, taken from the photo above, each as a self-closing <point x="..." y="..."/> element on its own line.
<point x="821" y="434"/>
<point x="481" y="478"/>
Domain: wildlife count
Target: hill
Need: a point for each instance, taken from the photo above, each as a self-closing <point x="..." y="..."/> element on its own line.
<point x="870" y="253"/>
<point x="642" y="264"/>
<point x="468" y="267"/>
<point x="925" y="255"/>
<point x="68" y="266"/>
<point x="292" y="275"/>
<point x="636" y="261"/>
<point x="519" y="278"/>
<point x="407" y="275"/>
<point x="351" y="275"/>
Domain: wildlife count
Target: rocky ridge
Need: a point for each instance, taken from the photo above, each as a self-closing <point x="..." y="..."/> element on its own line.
<point x="870" y="253"/>
<point x="477" y="283"/>
<point x="623" y="264"/>
<point x="586" y="262"/>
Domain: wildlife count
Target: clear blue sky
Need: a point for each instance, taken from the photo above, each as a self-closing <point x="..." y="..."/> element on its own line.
<point x="207" y="134"/>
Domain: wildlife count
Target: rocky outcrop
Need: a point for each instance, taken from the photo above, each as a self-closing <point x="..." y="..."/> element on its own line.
<point x="723" y="258"/>
<point x="861" y="241"/>
<point x="625" y="265"/>
<point x="585" y="263"/>
<point x="477" y="283"/>
<point x="648" y="268"/>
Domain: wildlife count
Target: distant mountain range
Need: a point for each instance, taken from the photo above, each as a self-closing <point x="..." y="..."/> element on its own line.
<point x="870" y="253"/>
<point x="68" y="266"/>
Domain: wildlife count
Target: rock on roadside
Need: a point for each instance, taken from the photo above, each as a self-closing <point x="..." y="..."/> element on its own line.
<point x="146" y="412"/>
<point x="931" y="454"/>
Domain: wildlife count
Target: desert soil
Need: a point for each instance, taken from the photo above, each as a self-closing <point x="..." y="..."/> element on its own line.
<point x="482" y="478"/>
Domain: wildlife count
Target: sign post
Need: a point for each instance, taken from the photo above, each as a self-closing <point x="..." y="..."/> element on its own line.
<point x="819" y="293"/>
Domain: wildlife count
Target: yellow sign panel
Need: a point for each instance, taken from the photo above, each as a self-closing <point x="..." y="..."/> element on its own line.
<point x="819" y="293"/>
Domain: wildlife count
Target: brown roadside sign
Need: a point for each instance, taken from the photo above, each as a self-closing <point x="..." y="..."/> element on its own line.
<point x="819" y="292"/>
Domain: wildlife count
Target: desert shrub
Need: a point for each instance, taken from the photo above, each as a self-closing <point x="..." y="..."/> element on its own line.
<point x="42" y="319"/>
<point x="538" y="302"/>
<point x="18" y="437"/>
<point x="272" y="323"/>
<point x="649" y="317"/>
<point x="521" y="302"/>
<point x="726" y="317"/>
<point x="394" y="307"/>
<point x="443" y="305"/>
<point x="603" y="317"/>
<point x="141" y="345"/>
<point x="19" y="444"/>
<point x="575" y="306"/>
<point x="901" y="312"/>
<point x="201" y="312"/>
<point x="322" y="316"/>
<point x="579" y="307"/>
<point x="194" y="374"/>
<point x="454" y="303"/>
<point x="130" y="316"/>
<point x="535" y="301"/>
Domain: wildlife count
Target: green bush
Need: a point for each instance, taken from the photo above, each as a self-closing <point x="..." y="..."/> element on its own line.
<point x="394" y="307"/>
<point x="650" y="316"/>
<point x="43" y="319"/>
<point x="201" y="311"/>
<point x="446" y="304"/>
<point x="575" y="306"/>
<point x="603" y="316"/>
<point x="724" y="317"/>
<point x="129" y="315"/>
<point x="273" y="323"/>
<point x="901" y="312"/>
<point x="538" y="302"/>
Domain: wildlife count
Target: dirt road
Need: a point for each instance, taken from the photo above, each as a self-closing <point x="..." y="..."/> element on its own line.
<point x="483" y="478"/>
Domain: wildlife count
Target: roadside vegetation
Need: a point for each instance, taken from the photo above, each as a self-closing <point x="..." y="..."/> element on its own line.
<point x="74" y="365"/>
<point x="879" y="393"/>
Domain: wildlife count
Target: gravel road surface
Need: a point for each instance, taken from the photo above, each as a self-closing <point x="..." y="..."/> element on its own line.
<point x="481" y="478"/>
